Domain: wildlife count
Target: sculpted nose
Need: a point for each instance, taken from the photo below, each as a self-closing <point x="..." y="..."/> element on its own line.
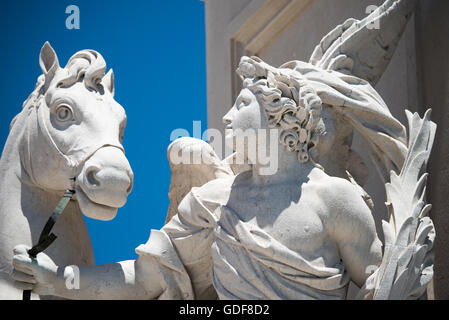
<point x="97" y="178"/>
<point x="227" y="119"/>
<point x="107" y="178"/>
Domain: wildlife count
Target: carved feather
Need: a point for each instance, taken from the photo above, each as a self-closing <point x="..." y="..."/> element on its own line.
<point x="364" y="48"/>
<point x="193" y="163"/>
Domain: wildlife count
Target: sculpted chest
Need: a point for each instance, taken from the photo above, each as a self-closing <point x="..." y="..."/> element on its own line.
<point x="290" y="217"/>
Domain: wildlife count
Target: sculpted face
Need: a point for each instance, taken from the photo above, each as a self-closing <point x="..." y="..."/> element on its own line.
<point x="78" y="142"/>
<point x="245" y="117"/>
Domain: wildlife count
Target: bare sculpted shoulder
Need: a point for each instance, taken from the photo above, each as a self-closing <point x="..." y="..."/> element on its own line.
<point x="344" y="204"/>
<point x="349" y="222"/>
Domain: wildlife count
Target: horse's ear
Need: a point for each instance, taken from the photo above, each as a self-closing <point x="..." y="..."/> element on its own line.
<point x="108" y="82"/>
<point x="48" y="60"/>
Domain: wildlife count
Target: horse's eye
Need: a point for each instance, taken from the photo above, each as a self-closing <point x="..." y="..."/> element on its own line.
<point x="64" y="113"/>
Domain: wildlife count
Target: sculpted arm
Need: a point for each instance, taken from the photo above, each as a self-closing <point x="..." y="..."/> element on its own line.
<point x="132" y="279"/>
<point x="174" y="260"/>
<point x="352" y="226"/>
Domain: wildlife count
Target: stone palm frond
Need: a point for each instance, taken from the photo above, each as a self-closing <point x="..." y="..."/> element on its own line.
<point x="407" y="264"/>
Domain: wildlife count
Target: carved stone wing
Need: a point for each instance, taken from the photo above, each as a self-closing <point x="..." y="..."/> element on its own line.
<point x="193" y="163"/>
<point x="407" y="264"/>
<point x="364" y="48"/>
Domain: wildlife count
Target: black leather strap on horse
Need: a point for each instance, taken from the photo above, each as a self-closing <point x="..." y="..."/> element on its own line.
<point x="46" y="238"/>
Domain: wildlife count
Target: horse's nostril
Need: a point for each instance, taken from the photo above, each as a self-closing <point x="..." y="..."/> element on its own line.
<point x="91" y="177"/>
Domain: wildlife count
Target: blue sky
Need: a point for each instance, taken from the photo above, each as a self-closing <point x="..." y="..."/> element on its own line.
<point x="157" y="51"/>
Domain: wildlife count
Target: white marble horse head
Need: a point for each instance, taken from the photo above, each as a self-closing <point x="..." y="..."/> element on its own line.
<point x="75" y="131"/>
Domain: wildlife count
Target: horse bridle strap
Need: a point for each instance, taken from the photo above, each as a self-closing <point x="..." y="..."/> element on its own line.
<point x="46" y="238"/>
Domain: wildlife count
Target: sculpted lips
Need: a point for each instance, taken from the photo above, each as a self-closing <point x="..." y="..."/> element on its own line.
<point x="92" y="209"/>
<point x="81" y="194"/>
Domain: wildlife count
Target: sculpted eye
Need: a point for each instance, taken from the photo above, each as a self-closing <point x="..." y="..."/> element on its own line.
<point x="243" y="103"/>
<point x="64" y="113"/>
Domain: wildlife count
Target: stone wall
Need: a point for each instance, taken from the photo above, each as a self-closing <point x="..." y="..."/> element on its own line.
<point x="432" y="39"/>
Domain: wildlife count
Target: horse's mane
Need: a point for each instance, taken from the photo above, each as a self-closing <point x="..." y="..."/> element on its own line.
<point x="85" y="65"/>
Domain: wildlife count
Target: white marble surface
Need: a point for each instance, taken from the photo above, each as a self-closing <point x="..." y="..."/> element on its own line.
<point x="303" y="231"/>
<point x="66" y="137"/>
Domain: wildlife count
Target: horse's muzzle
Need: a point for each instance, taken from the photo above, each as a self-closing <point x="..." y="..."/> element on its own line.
<point x="104" y="183"/>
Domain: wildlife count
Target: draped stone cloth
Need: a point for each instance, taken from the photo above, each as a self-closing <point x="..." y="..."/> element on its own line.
<point x="206" y="252"/>
<point x="250" y="264"/>
<point x="364" y="109"/>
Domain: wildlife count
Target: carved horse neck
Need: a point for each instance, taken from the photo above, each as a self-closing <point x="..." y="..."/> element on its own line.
<point x="25" y="208"/>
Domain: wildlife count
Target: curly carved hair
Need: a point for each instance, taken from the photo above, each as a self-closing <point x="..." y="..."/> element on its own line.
<point x="290" y="103"/>
<point x="86" y="65"/>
